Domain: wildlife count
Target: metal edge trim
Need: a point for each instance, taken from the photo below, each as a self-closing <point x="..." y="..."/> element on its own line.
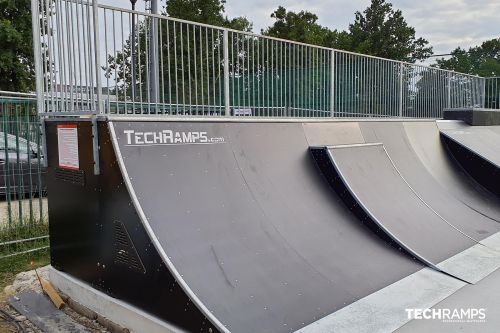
<point x="381" y="226"/>
<point x="155" y="240"/>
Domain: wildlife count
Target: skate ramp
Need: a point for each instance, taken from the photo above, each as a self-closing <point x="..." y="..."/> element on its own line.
<point x="247" y="224"/>
<point x="425" y="141"/>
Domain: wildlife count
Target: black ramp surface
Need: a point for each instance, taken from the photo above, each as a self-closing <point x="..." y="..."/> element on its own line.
<point x="425" y="140"/>
<point x="467" y="220"/>
<point x="482" y="140"/>
<point x="251" y="226"/>
<point x="372" y="179"/>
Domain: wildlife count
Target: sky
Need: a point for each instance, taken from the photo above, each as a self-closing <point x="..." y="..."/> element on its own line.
<point x="446" y="24"/>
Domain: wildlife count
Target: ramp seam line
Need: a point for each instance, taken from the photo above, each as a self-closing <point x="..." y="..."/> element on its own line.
<point x="380" y="225"/>
<point x="422" y="200"/>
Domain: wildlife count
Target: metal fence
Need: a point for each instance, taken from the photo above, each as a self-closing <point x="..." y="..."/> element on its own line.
<point x="23" y="203"/>
<point x="22" y="188"/>
<point x="492" y="93"/>
<point x="101" y="59"/>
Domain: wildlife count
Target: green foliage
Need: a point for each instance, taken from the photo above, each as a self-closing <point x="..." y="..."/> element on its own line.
<point x="16" y="52"/>
<point x="382" y="31"/>
<point x="379" y="30"/>
<point x="483" y="60"/>
<point x="205" y="11"/>
<point x="10" y="266"/>
<point x="303" y="27"/>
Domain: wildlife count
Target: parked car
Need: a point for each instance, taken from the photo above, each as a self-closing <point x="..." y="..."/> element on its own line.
<point x="21" y="167"/>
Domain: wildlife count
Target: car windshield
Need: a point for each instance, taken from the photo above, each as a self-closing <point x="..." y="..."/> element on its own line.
<point x="13" y="144"/>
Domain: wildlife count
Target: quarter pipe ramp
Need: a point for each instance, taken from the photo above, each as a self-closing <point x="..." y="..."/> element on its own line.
<point x="219" y="225"/>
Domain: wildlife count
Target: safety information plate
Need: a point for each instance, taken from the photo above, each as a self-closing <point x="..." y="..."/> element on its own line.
<point x="67" y="145"/>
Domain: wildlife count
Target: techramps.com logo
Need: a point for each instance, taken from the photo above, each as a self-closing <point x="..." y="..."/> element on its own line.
<point x="169" y="137"/>
<point x="469" y="315"/>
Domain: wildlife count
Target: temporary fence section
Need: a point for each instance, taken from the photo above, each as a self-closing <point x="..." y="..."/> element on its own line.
<point x="101" y="59"/>
<point x="23" y="203"/>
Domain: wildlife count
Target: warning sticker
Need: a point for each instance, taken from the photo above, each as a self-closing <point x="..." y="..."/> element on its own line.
<point x="67" y="145"/>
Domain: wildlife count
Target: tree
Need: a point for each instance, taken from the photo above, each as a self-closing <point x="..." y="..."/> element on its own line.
<point x="303" y="27"/>
<point x="382" y="31"/>
<point x="17" y="69"/>
<point x="205" y="11"/>
<point x="191" y="57"/>
<point x="483" y="60"/>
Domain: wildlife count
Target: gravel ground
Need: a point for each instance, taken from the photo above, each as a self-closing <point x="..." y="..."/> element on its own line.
<point x="26" y="281"/>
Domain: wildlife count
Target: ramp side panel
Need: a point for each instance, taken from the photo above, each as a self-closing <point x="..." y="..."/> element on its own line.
<point x="453" y="211"/>
<point x="425" y="141"/>
<point x="248" y="224"/>
<point x="477" y="150"/>
<point x="482" y="140"/>
<point x="380" y="190"/>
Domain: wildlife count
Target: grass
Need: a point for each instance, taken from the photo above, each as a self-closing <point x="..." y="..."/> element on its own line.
<point x="11" y="266"/>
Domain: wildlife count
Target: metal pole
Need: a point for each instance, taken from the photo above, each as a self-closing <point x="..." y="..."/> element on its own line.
<point x="401" y="89"/>
<point x="449" y="91"/>
<point x="133" y="56"/>
<point x="226" y="73"/>
<point x="97" y="54"/>
<point x="332" y="83"/>
<point x="37" y="54"/>
<point x="153" y="56"/>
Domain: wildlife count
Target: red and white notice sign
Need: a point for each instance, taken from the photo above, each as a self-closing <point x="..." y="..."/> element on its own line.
<point x="67" y="145"/>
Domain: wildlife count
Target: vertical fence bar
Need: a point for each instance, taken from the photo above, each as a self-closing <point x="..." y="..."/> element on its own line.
<point x="332" y="83"/>
<point x="226" y="73"/>
<point x="449" y="91"/>
<point x="35" y="20"/>
<point x="401" y="89"/>
<point x="97" y="57"/>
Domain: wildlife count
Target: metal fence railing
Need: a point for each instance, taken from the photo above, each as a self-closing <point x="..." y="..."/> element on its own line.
<point x="492" y="93"/>
<point x="101" y="59"/>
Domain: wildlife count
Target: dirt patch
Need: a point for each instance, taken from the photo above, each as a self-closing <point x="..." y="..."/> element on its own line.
<point x="27" y="281"/>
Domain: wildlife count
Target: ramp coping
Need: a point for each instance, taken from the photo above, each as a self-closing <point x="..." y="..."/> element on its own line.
<point x="154" y="239"/>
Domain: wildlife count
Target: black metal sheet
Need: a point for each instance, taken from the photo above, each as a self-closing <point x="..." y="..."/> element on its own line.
<point x="378" y="187"/>
<point x="425" y="140"/>
<point x="247" y="220"/>
<point x="41" y="311"/>
<point x="482" y="140"/>
<point x="393" y="136"/>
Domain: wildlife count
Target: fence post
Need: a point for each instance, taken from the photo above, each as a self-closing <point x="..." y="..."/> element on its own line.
<point x="226" y="74"/>
<point x="484" y="80"/>
<point x="401" y="89"/>
<point x="37" y="55"/>
<point x="35" y="22"/>
<point x="332" y="83"/>
<point x="448" y="103"/>
<point x="154" y="57"/>
<point x="97" y="52"/>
